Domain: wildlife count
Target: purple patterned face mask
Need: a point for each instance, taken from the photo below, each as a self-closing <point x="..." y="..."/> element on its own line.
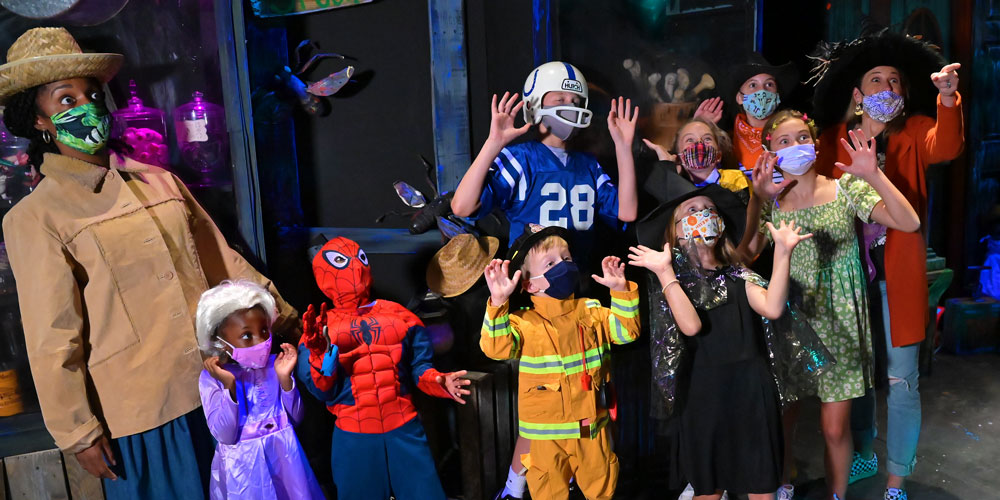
<point x="883" y="106"/>
<point x="253" y="356"/>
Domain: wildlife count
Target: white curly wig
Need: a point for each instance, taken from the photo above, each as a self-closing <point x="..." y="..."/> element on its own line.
<point x="218" y="302"/>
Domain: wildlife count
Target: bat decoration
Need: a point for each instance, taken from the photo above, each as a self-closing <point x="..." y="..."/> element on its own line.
<point x="425" y="214"/>
<point x="274" y="102"/>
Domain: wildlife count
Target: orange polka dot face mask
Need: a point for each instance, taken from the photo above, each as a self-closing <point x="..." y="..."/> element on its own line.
<point x="705" y="224"/>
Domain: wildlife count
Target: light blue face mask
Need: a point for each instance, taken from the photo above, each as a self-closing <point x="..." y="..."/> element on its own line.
<point x="761" y="104"/>
<point x="797" y="159"/>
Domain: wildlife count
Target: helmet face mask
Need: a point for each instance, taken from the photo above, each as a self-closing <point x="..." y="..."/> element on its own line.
<point x="556" y="76"/>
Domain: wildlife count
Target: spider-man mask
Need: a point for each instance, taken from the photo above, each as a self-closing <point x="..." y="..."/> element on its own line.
<point x="342" y="272"/>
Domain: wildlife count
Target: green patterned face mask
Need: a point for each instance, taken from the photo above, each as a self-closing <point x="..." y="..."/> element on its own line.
<point x="83" y="128"/>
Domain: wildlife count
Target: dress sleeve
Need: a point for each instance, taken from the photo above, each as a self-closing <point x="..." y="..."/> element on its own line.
<point x="221" y="412"/>
<point x="292" y="403"/>
<point x="860" y="195"/>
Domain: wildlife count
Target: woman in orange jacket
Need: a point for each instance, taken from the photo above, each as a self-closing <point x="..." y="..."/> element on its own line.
<point x="886" y="85"/>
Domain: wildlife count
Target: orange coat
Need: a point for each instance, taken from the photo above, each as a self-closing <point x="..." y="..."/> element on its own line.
<point x="922" y="142"/>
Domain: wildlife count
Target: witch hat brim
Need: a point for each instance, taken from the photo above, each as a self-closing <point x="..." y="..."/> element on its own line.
<point x="649" y="230"/>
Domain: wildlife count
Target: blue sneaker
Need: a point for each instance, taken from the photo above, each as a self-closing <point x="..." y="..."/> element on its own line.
<point x="895" y="494"/>
<point x="862" y="469"/>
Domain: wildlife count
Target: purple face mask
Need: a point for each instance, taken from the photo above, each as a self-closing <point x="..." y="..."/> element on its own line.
<point x="251" y="357"/>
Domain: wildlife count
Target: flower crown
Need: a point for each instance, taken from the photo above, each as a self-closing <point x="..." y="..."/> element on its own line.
<point x="805" y="118"/>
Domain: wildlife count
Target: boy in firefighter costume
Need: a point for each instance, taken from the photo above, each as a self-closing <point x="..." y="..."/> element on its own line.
<point x="563" y="344"/>
<point x="363" y="357"/>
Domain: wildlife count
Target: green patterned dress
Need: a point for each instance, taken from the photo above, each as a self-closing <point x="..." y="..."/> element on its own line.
<point x="828" y="283"/>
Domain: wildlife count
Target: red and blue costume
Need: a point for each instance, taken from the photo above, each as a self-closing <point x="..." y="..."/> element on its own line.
<point x="362" y="357"/>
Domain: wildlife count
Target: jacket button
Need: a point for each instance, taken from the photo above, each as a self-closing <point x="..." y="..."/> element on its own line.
<point x="169" y="275"/>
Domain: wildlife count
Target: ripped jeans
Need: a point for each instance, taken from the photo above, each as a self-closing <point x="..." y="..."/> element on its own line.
<point x="903" y="405"/>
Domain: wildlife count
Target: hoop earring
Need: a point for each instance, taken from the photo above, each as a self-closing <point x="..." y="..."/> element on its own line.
<point x="46" y="136"/>
<point x="859" y="110"/>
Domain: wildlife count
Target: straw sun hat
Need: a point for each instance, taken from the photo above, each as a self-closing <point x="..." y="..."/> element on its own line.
<point x="45" y="55"/>
<point x="460" y="263"/>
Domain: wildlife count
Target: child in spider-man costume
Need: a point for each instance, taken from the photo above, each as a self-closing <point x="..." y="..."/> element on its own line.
<point x="363" y="358"/>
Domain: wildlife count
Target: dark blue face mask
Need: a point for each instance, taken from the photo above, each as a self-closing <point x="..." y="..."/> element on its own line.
<point x="562" y="279"/>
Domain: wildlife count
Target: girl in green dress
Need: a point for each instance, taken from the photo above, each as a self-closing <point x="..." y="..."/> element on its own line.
<point x="828" y="282"/>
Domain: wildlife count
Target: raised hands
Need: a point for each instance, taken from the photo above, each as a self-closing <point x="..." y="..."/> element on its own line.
<point x="219" y="373"/>
<point x="946" y="80"/>
<point x="503" y="114"/>
<point x="657" y="262"/>
<point x="499" y="281"/>
<point x="284" y="364"/>
<point x="710" y="109"/>
<point x="864" y="163"/>
<point x="661" y="154"/>
<point x="614" y="274"/>
<point x="312" y="329"/>
<point x="786" y="236"/>
<point x="762" y="177"/>
<point x="454" y="384"/>
<point x="621" y="121"/>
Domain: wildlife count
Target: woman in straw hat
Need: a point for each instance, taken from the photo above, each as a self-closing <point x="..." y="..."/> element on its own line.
<point x="899" y="91"/>
<point x="110" y="257"/>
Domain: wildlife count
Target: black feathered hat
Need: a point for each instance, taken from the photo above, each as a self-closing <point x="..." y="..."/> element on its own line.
<point x="839" y="67"/>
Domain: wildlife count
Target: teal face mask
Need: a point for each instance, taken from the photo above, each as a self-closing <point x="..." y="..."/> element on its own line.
<point x="83" y="128"/>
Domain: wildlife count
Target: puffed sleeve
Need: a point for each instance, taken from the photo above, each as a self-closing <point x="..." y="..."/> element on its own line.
<point x="861" y="195"/>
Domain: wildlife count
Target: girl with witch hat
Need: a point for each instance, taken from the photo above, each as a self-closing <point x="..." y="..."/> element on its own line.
<point x="111" y="257"/>
<point x="897" y="90"/>
<point x="712" y="355"/>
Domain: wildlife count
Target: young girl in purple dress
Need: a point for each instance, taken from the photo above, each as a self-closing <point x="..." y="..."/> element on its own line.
<point x="250" y="399"/>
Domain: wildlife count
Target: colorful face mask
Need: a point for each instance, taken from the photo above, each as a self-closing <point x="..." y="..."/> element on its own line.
<point x="797" y="159"/>
<point x="342" y="273"/>
<point x="253" y="356"/>
<point x="83" y="128"/>
<point x="699" y="156"/>
<point x="563" y="278"/>
<point x="761" y="104"/>
<point x="705" y="224"/>
<point x="883" y="106"/>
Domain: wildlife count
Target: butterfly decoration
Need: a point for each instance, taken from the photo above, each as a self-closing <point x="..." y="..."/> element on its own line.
<point x="426" y="214"/>
<point x="274" y="101"/>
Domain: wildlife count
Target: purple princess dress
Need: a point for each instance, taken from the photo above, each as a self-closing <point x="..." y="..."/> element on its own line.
<point x="258" y="455"/>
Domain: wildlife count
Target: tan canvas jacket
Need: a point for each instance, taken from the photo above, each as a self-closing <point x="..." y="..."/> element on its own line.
<point x="109" y="266"/>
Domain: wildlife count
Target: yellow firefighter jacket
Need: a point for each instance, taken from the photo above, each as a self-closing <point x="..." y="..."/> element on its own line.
<point x="552" y="402"/>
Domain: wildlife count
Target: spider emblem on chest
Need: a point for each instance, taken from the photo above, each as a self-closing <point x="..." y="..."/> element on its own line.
<point x="366" y="330"/>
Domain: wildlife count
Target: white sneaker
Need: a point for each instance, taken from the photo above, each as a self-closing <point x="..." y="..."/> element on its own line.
<point x="687" y="494"/>
<point x="786" y="492"/>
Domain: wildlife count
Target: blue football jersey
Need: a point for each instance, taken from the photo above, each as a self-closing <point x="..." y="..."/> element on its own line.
<point x="532" y="186"/>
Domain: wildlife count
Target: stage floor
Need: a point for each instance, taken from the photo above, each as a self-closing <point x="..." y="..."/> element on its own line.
<point x="959" y="440"/>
